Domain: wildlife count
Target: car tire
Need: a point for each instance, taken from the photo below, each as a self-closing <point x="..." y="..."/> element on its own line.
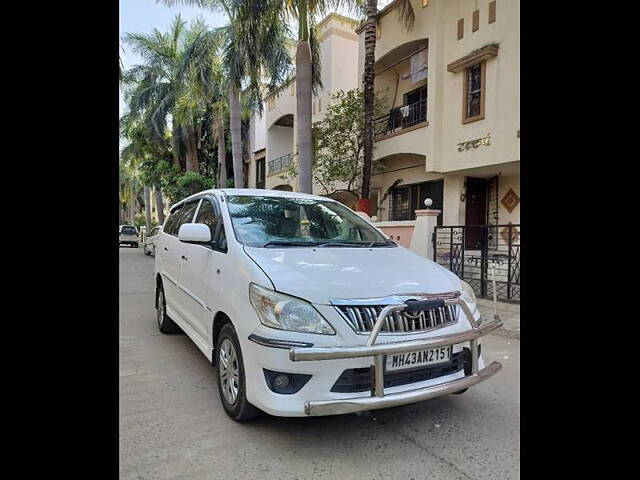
<point x="231" y="377"/>
<point x="165" y="324"/>
<point x="146" y="252"/>
<point x="135" y="245"/>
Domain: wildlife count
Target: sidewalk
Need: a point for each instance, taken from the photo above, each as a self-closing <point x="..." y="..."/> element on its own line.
<point x="509" y="313"/>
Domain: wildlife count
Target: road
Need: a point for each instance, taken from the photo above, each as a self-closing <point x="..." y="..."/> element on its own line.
<point x="172" y="424"/>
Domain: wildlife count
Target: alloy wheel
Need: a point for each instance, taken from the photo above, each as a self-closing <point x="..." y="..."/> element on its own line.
<point x="229" y="371"/>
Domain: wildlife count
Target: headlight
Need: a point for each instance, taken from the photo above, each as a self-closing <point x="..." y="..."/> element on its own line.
<point x="468" y="296"/>
<point x="283" y="312"/>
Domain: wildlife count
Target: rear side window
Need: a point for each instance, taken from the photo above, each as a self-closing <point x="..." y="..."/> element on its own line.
<point x="129" y="230"/>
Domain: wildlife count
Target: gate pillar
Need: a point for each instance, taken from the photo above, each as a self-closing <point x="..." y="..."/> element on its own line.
<point x="426" y="222"/>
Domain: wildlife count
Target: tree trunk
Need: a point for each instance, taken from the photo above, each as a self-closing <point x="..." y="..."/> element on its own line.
<point x="132" y="208"/>
<point x="192" y="151"/>
<point x="147" y="208"/>
<point x="303" y="114"/>
<point x="175" y="133"/>
<point x="222" y="158"/>
<point x="236" y="139"/>
<point x="159" y="205"/>
<point x="367" y="81"/>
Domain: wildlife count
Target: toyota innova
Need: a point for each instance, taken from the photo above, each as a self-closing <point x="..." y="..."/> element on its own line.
<point x="306" y="308"/>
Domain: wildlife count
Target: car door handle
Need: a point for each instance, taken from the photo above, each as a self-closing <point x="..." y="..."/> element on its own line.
<point x="183" y="257"/>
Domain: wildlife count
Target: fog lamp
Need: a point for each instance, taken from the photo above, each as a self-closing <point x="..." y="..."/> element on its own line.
<point x="281" y="381"/>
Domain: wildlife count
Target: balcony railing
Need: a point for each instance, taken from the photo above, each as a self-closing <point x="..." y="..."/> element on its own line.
<point x="401" y="117"/>
<point x="281" y="163"/>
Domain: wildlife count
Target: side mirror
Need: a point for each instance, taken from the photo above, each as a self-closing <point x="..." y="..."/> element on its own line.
<point x="194" y="233"/>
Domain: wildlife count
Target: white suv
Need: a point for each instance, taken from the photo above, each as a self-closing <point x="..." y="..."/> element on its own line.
<point x="128" y="235"/>
<point x="308" y="309"/>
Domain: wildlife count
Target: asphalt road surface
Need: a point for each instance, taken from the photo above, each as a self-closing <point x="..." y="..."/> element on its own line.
<point x="172" y="424"/>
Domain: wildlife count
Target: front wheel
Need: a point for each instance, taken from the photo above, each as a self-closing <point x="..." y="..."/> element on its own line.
<point x="231" y="377"/>
<point x="146" y="252"/>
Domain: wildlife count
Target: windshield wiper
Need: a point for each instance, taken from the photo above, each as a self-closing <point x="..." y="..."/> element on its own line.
<point x="341" y="244"/>
<point x="382" y="243"/>
<point x="276" y="243"/>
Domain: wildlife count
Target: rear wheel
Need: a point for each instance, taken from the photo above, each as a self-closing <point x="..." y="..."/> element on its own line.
<point x="165" y="324"/>
<point x="231" y="377"/>
<point x="146" y="252"/>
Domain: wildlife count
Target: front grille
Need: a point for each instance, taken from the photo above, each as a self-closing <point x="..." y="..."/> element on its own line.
<point x="359" y="379"/>
<point x="363" y="317"/>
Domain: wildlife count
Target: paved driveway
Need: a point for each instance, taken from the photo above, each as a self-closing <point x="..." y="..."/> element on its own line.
<point x="172" y="424"/>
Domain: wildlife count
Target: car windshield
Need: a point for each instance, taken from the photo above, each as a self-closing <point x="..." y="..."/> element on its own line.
<point x="128" y="230"/>
<point x="262" y="221"/>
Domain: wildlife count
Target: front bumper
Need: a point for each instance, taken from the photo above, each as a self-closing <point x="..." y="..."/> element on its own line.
<point x="378" y="399"/>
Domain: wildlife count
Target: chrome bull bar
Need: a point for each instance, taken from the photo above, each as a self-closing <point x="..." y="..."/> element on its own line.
<point x="378" y="399"/>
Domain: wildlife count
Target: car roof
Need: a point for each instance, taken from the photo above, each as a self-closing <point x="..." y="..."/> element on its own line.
<point x="254" y="192"/>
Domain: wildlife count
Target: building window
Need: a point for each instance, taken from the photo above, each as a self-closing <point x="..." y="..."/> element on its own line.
<point x="475" y="21"/>
<point x="492" y="11"/>
<point x="460" y="28"/>
<point x="406" y="199"/>
<point x="474" y="93"/>
<point x="260" y="173"/>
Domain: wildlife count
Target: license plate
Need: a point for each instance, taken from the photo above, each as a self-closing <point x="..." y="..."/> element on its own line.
<point x="421" y="358"/>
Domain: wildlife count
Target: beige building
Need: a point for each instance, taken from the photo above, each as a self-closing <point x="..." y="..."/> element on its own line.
<point x="452" y="133"/>
<point x="272" y="136"/>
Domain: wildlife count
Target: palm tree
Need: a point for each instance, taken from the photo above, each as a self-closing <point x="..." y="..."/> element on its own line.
<point x="253" y="41"/>
<point x="307" y="72"/>
<point x="153" y="90"/>
<point x="147" y="208"/>
<point x="141" y="158"/>
<point x="406" y="16"/>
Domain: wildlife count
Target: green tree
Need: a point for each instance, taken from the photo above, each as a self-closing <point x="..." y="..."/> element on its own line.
<point x="339" y="141"/>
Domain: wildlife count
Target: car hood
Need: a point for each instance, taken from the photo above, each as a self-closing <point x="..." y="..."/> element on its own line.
<point x="322" y="274"/>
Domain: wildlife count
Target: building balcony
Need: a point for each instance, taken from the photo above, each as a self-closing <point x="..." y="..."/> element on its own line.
<point x="280" y="164"/>
<point x="401" y="119"/>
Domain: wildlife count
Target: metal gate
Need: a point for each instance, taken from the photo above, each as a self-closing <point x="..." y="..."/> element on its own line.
<point x="495" y="248"/>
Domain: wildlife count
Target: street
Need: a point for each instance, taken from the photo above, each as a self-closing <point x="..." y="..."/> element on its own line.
<point x="172" y="424"/>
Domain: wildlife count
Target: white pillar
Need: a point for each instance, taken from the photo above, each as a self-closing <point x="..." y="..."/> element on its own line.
<point x="426" y="221"/>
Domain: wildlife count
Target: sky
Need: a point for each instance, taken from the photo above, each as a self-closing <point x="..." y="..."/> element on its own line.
<point x="142" y="16"/>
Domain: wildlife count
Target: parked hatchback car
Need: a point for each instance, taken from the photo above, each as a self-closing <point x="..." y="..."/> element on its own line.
<point x="128" y="235"/>
<point x="307" y="309"/>
<point x="149" y="244"/>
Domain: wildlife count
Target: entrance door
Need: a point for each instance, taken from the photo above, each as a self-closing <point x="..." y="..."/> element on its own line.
<point x="476" y="211"/>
